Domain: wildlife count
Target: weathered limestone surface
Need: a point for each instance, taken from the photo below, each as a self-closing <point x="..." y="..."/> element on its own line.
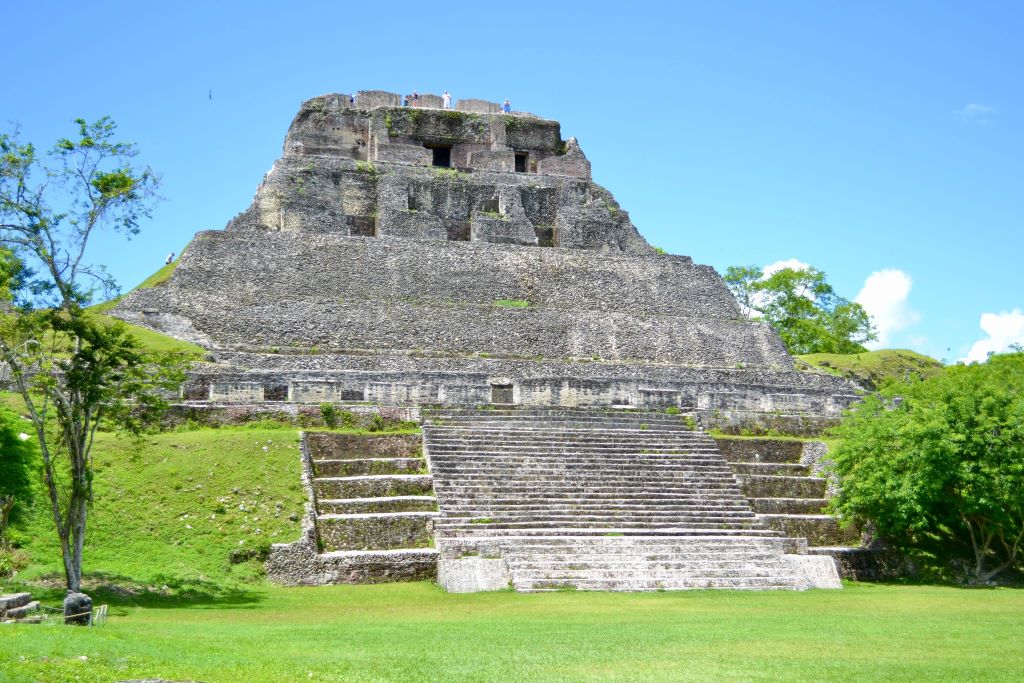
<point x="410" y="255"/>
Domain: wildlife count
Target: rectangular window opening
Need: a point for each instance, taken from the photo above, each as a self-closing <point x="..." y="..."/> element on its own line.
<point x="442" y="155"/>
<point x="501" y="393"/>
<point x="521" y="158"/>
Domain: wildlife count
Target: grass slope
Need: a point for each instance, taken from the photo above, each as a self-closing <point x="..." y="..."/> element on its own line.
<point x="146" y="337"/>
<point x="874" y="368"/>
<point x="416" y="632"/>
<point x="170" y="509"/>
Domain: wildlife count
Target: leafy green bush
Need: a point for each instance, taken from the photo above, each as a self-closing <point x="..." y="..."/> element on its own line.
<point x="329" y="412"/>
<point x="937" y="466"/>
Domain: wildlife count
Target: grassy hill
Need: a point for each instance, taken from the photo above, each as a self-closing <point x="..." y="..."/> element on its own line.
<point x="873" y="368"/>
<point x="147" y="337"/>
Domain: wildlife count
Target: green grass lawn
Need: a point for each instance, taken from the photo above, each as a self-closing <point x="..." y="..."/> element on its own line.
<point x="415" y="632"/>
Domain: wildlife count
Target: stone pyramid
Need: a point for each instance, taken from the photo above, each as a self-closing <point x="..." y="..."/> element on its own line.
<point x="402" y="255"/>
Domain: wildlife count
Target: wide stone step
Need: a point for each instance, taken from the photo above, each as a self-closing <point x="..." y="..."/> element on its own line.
<point x="772" y="468"/>
<point x="383" y="531"/>
<point x="565" y="434"/>
<point x="359" y="466"/>
<point x="641" y="585"/>
<point x="651" y="571"/>
<point x="374" y="486"/>
<point x="14" y="600"/>
<point x="586" y="508"/>
<point x="378" y="566"/>
<point x="789" y="506"/>
<point x="551" y="464"/>
<point x="486" y="531"/>
<point x="755" y="486"/>
<point x="22" y="611"/>
<point x="507" y="487"/>
<point x="334" y="445"/>
<point x="819" y="530"/>
<point x="708" y="527"/>
<point x="380" y="504"/>
<point x="556" y="436"/>
<point x="542" y="498"/>
<point x="525" y="474"/>
<point x="620" y="518"/>
<point x="761" y="450"/>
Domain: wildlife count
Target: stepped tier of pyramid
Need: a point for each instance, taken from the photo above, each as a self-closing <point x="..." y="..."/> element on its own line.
<point x="424" y="256"/>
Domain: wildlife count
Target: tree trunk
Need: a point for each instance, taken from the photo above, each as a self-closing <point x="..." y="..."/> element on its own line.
<point x="6" y="505"/>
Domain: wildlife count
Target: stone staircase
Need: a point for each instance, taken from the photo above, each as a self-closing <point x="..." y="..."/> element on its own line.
<point x="370" y="516"/>
<point x="784" y="491"/>
<point x="19" y="607"/>
<point x="549" y="499"/>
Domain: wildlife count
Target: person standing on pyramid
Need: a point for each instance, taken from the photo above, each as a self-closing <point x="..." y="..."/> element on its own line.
<point x="446" y="100"/>
<point x="506" y="107"/>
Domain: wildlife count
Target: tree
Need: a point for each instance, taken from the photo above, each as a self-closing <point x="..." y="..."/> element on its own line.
<point x="941" y="462"/>
<point x="74" y="370"/>
<point x="803" y="308"/>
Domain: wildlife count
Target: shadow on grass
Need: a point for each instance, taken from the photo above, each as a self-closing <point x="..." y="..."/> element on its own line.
<point x="161" y="591"/>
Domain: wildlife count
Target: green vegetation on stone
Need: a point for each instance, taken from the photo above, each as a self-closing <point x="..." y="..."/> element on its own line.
<point x="873" y="368"/>
<point x="511" y="303"/>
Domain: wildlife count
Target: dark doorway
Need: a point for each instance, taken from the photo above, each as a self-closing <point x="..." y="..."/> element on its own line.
<point x="442" y="156"/>
<point x="278" y="392"/>
<point x="501" y="393"/>
<point x="521" y="158"/>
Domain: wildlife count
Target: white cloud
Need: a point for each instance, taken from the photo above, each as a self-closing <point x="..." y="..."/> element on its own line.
<point x="979" y="113"/>
<point x="884" y="297"/>
<point x="792" y="263"/>
<point x="1002" y="329"/>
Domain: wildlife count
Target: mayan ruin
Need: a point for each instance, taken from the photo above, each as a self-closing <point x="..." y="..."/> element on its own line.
<point x="459" y="267"/>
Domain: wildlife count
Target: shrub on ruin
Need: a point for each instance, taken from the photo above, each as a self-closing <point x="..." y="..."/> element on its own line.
<point x="937" y="466"/>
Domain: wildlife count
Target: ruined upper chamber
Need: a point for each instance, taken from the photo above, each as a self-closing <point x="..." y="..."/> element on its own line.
<point x="365" y="166"/>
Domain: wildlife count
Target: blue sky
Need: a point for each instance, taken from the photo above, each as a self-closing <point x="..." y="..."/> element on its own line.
<point x="882" y="142"/>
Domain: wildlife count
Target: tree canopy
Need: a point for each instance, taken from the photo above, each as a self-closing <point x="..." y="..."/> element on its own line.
<point x="803" y="308"/>
<point x="939" y="463"/>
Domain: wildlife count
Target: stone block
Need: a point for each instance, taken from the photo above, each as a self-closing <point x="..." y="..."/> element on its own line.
<point x="818" y="570"/>
<point x="498" y="160"/>
<point x="411" y="155"/>
<point x="501" y="230"/>
<point x="326" y="392"/>
<point x="369" y="99"/>
<point x="410" y="225"/>
<point x="430" y="101"/>
<point x="473" y="574"/>
<point x="478" y="106"/>
<point x="237" y="392"/>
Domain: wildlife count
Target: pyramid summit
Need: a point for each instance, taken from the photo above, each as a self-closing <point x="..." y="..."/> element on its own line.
<point x="407" y="256"/>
